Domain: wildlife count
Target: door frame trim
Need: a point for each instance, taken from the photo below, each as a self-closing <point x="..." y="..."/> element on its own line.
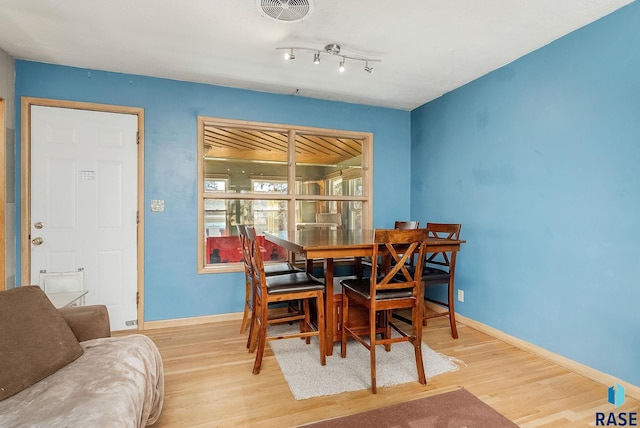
<point x="3" y="200"/>
<point x="25" y="186"/>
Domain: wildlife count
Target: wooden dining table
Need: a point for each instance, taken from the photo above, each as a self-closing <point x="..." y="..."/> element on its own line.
<point x="329" y="245"/>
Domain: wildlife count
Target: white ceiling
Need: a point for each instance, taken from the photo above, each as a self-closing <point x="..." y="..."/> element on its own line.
<point x="427" y="47"/>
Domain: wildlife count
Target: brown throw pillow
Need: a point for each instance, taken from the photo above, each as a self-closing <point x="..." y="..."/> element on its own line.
<point x="35" y="341"/>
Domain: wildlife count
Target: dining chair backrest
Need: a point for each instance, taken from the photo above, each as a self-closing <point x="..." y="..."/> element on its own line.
<point x="446" y="231"/>
<point x="256" y="261"/>
<point x="335" y="218"/>
<point x="399" y="225"/>
<point x="399" y="246"/>
<point x="246" y="259"/>
<point x="402" y="225"/>
<point x="406" y="224"/>
<point x="245" y="246"/>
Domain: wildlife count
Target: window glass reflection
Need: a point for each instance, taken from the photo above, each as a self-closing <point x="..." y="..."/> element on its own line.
<point x="247" y="178"/>
<point x="221" y="217"/>
<point x="328" y="165"/>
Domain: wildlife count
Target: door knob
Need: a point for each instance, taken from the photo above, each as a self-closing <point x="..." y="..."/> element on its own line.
<point x="37" y="241"/>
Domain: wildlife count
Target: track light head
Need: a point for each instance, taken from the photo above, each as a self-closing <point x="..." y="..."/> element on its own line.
<point x="367" y="68"/>
<point x="316" y="58"/>
<point x="341" y="67"/>
<point x="289" y="55"/>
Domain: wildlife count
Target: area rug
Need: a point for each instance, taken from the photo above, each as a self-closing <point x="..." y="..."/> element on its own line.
<point x="300" y="364"/>
<point x="452" y="409"/>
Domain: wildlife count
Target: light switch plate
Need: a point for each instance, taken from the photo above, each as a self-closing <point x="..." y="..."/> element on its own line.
<point x="157" y="205"/>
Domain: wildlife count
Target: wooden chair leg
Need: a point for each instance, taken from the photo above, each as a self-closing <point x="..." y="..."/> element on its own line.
<point x="416" y="331"/>
<point x="372" y="349"/>
<point x="452" y="313"/>
<point x="245" y="318"/>
<point x="386" y="319"/>
<point x="254" y="332"/>
<point x="357" y="266"/>
<point x="344" y="325"/>
<point x="424" y="314"/>
<point x="306" y="322"/>
<point x="419" y="362"/>
<point x="259" y="353"/>
<point x="252" y="329"/>
<point x="322" y="342"/>
<point x="452" y="322"/>
<point x="247" y="308"/>
<point x="450" y="310"/>
<point x="262" y="339"/>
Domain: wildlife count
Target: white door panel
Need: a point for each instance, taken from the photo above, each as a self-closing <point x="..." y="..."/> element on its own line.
<point x="84" y="192"/>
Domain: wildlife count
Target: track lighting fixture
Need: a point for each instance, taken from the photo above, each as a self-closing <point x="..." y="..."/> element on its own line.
<point x="330" y="49"/>
<point x="289" y="55"/>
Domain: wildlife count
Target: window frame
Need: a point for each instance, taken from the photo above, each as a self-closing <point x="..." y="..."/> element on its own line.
<point x="291" y="197"/>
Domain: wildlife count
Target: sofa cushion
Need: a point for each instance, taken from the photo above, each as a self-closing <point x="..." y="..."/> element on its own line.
<point x="35" y="341"/>
<point x="87" y="322"/>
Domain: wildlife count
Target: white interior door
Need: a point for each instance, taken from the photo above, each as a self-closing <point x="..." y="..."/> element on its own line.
<point x="84" y="204"/>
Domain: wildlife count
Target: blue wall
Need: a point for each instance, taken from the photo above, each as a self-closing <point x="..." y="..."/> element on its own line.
<point x="540" y="162"/>
<point x="173" y="289"/>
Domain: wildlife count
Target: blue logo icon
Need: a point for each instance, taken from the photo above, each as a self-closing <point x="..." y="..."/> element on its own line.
<point x="616" y="395"/>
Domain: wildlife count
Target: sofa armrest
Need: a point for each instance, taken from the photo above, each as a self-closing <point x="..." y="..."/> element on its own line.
<point x="87" y="322"/>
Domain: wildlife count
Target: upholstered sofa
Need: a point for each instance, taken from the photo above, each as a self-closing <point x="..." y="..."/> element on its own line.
<point x="61" y="368"/>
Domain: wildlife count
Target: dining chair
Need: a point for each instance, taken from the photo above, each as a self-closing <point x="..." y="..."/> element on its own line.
<point x="397" y="288"/>
<point x="284" y="288"/>
<point x="439" y="269"/>
<point x="365" y="262"/>
<point x="270" y="269"/>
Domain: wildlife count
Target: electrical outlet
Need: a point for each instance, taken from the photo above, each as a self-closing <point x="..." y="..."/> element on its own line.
<point x="460" y="295"/>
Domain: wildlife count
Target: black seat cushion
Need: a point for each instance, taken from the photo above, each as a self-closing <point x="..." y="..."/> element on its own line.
<point x="431" y="275"/>
<point x="362" y="286"/>
<point x="292" y="283"/>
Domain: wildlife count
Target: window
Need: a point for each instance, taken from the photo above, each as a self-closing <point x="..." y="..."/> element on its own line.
<point x="276" y="177"/>
<point x="213" y="184"/>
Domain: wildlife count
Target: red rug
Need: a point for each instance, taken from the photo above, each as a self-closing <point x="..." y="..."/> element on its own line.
<point x="452" y="409"/>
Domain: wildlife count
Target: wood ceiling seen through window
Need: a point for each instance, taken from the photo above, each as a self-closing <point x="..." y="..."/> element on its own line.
<point x="254" y="144"/>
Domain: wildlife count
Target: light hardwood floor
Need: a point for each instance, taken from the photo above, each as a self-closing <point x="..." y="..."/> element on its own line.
<point x="208" y="382"/>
